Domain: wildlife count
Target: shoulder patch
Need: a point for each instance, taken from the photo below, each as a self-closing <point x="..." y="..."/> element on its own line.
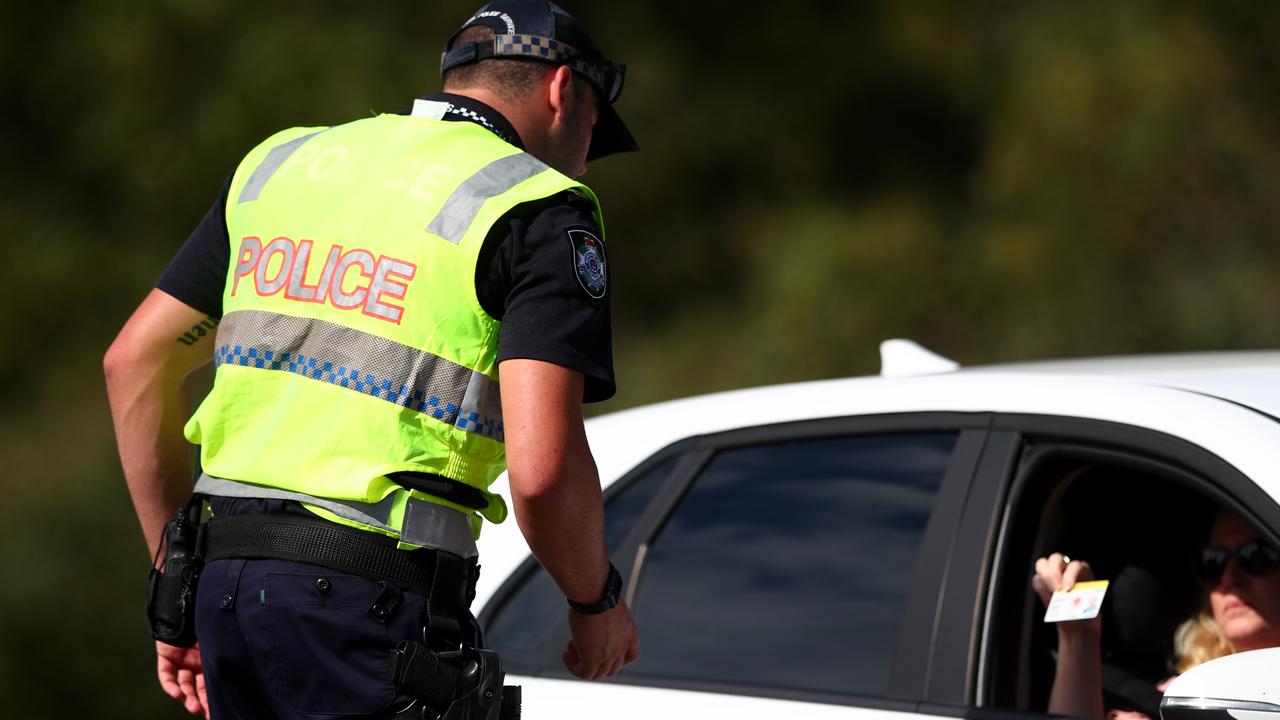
<point x="589" y="262"/>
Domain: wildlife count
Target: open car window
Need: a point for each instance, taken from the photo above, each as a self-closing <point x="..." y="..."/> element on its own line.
<point x="1137" y="519"/>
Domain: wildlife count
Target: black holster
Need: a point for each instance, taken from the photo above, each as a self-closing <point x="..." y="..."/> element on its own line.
<point x="461" y="685"/>
<point x="175" y="571"/>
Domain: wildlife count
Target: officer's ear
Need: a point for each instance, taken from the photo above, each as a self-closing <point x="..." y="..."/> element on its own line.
<point x="561" y="93"/>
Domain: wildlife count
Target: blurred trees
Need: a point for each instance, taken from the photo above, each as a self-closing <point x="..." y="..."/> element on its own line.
<point x="997" y="180"/>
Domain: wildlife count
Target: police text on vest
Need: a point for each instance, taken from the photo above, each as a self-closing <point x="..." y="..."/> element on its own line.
<point x="283" y="264"/>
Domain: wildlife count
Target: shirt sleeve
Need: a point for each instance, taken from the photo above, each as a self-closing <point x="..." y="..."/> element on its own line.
<point x="544" y="273"/>
<point x="197" y="274"/>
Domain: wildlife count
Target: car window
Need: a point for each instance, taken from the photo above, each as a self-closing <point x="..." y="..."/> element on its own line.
<point x="531" y="613"/>
<point x="787" y="565"/>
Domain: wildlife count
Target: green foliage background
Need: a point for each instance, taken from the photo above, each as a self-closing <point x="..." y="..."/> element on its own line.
<point x="998" y="180"/>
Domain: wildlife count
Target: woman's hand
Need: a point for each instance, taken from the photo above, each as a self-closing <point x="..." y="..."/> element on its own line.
<point x="1059" y="572"/>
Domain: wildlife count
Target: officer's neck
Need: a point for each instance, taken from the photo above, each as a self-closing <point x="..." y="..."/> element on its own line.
<point x="531" y="115"/>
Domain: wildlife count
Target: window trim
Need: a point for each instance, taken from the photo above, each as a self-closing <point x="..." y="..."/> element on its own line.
<point x="908" y="675"/>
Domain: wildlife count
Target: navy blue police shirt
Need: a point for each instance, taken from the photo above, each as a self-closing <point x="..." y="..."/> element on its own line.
<point x="530" y="275"/>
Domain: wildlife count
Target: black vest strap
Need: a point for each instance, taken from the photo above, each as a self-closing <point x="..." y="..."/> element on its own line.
<point x="441" y="487"/>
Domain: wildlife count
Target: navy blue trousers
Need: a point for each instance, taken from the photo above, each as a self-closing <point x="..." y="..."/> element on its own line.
<point x="290" y="640"/>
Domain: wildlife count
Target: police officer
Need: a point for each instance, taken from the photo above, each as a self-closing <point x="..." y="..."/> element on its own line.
<point x="370" y="284"/>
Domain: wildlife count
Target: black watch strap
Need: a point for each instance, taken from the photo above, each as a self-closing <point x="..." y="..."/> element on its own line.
<point x="608" y="601"/>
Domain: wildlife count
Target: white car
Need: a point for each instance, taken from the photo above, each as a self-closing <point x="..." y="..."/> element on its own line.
<point x="852" y="548"/>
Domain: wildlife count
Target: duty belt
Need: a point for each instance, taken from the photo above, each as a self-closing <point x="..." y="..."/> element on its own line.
<point x="445" y="578"/>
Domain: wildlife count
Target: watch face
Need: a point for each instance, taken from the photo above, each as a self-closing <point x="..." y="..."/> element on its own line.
<point x="614" y="589"/>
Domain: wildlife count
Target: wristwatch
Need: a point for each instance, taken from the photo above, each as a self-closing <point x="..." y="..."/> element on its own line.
<point x="608" y="601"/>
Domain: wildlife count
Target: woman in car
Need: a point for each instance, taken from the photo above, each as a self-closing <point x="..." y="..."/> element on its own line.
<point x="1240" y="610"/>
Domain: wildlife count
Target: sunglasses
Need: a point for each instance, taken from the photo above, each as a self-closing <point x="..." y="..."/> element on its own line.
<point x="1257" y="558"/>
<point x="607" y="77"/>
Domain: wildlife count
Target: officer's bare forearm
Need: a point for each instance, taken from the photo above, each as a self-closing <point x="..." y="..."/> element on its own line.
<point x="148" y="413"/>
<point x="563" y="522"/>
<point x="554" y="485"/>
<point x="145" y="368"/>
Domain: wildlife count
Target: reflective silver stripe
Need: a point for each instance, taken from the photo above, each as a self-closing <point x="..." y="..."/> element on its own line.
<point x="269" y="165"/>
<point x="436" y="526"/>
<point x="364" y="363"/>
<point x="372" y="515"/>
<point x="425" y="523"/>
<point x="464" y="204"/>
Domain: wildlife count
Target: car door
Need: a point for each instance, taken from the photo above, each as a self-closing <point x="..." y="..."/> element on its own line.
<point x="794" y="563"/>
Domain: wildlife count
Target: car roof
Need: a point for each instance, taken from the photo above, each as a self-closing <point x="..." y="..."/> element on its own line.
<point x="1174" y="394"/>
<point x="1251" y="378"/>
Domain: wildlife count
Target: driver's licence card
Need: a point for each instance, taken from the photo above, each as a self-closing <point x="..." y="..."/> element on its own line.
<point x="1081" y="602"/>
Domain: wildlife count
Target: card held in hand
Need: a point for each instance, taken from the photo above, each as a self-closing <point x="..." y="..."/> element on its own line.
<point x="1081" y="602"/>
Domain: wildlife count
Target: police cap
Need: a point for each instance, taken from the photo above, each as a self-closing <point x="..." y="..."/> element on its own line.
<point x="542" y="30"/>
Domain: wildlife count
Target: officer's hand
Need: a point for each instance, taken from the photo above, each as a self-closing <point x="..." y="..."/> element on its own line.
<point x="601" y="644"/>
<point x="182" y="676"/>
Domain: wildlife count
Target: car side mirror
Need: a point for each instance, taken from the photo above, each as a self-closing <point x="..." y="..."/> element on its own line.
<point x="1244" y="686"/>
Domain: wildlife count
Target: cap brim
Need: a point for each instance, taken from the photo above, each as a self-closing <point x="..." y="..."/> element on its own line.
<point x="610" y="135"/>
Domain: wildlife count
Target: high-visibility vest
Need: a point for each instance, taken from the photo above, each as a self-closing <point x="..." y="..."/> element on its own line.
<point x="353" y="344"/>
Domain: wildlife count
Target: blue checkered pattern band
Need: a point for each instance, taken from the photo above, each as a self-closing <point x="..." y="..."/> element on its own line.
<point x="549" y="49"/>
<point x="362" y="363"/>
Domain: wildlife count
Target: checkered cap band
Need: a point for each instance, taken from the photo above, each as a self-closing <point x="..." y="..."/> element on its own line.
<point x="551" y="50"/>
<point x="363" y="363"/>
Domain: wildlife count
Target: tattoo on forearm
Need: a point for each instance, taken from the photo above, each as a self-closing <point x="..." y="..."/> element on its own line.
<point x="193" y="336"/>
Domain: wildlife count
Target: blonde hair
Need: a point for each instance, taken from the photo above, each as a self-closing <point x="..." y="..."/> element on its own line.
<point x="1199" y="639"/>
